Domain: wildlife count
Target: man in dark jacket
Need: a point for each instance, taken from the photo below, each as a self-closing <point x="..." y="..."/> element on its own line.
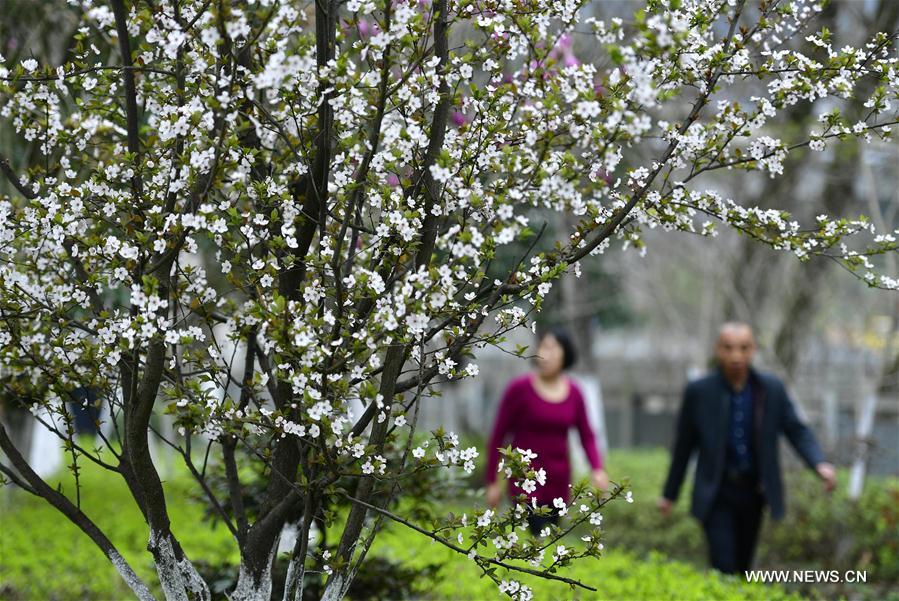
<point x="733" y="417"/>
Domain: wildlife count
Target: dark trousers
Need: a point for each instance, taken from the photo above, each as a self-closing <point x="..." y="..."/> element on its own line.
<point x="536" y="523"/>
<point x="732" y="525"/>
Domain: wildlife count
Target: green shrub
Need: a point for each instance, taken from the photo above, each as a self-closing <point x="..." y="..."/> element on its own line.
<point x="819" y="532"/>
<point x="618" y="575"/>
<point x="43" y="556"/>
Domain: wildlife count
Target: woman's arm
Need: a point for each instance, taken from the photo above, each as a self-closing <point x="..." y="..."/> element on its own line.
<point x="503" y="425"/>
<point x="585" y="430"/>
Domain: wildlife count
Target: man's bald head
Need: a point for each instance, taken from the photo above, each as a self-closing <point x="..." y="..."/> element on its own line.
<point x="735" y="328"/>
<point x="734" y="350"/>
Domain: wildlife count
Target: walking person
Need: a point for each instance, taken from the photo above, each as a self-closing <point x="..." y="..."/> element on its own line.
<point x="732" y="418"/>
<point x="84" y="405"/>
<point x="536" y="412"/>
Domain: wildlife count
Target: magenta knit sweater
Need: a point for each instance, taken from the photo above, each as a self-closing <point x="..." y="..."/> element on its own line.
<point x="541" y="426"/>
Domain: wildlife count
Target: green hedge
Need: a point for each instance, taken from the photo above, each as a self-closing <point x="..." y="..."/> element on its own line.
<point x="617" y="575"/>
<point x="42" y="556"/>
<point x="819" y="532"/>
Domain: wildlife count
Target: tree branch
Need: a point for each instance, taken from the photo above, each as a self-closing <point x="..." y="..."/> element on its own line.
<point x="462" y="551"/>
<point x="121" y="22"/>
<point x="14" y="179"/>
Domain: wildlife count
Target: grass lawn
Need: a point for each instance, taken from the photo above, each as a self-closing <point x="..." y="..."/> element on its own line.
<point x="44" y="557"/>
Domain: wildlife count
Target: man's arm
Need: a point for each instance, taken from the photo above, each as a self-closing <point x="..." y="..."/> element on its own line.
<point x="686" y="438"/>
<point x="803" y="440"/>
<point x="799" y="434"/>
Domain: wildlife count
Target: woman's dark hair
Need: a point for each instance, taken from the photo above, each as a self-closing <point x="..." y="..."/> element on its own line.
<point x="569" y="352"/>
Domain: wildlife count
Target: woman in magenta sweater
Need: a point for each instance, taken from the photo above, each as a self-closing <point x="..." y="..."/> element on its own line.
<point x="537" y="410"/>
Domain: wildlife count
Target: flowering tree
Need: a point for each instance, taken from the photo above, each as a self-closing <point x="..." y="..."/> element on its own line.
<point x="261" y="217"/>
